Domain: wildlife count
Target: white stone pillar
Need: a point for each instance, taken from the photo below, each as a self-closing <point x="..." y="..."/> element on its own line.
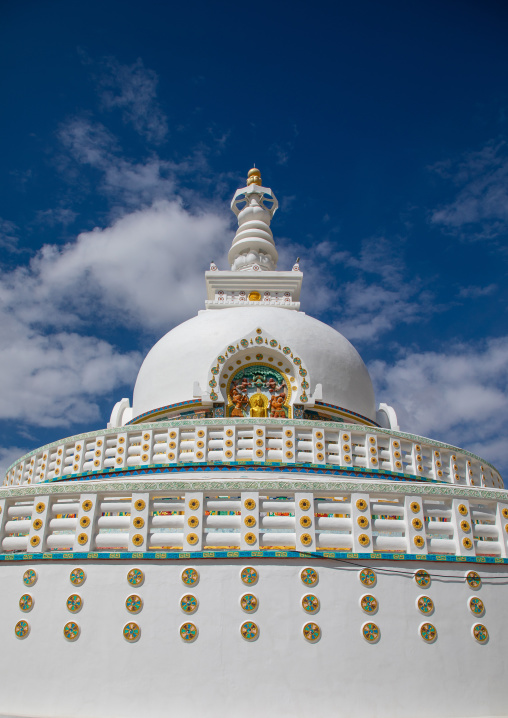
<point x="462" y="528"/>
<point x="345" y="449"/>
<point x="259" y="440"/>
<point x="200" y="444"/>
<point x="86" y="522"/>
<point x="3" y="519"/>
<point x="140" y="521"/>
<point x="193" y="521"/>
<point x="289" y="445"/>
<point x="371" y="451"/>
<point x="229" y="451"/>
<point x="39" y="528"/>
<point x="305" y="522"/>
<point x="173" y="445"/>
<point x="396" y="458"/>
<point x="79" y="457"/>
<point x="146" y="448"/>
<point x="98" y="453"/>
<point x="502" y="527"/>
<point x="249" y="526"/>
<point x="318" y="446"/>
<point x="361" y="523"/>
<point x="415" y="527"/>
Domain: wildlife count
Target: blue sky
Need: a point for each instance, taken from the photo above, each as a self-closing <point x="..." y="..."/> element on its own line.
<point x="382" y="129"/>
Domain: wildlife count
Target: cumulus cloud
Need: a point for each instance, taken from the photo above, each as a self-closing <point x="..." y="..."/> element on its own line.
<point x="144" y="272"/>
<point x="480" y="207"/>
<point x="126" y="182"/>
<point x="367" y="294"/>
<point x="133" y="90"/>
<point x="55" y="380"/>
<point x="455" y="396"/>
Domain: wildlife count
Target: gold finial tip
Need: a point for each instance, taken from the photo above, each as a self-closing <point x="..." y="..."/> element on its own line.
<point x="254" y="176"/>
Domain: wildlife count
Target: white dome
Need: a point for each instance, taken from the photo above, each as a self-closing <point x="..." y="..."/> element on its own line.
<point x="185" y="354"/>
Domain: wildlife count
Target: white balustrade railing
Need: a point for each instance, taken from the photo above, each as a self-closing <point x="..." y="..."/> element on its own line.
<point x="460" y="525"/>
<point x="321" y="444"/>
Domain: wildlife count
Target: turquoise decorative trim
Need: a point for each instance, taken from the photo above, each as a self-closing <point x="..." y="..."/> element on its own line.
<point x="341" y="410"/>
<point x="194" y="403"/>
<point x="247" y="421"/>
<point x="248" y="483"/>
<point x="226" y="466"/>
<point x="164" y="409"/>
<point x="194" y="555"/>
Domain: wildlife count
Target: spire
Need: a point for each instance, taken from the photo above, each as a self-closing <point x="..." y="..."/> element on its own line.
<point x="253" y="248"/>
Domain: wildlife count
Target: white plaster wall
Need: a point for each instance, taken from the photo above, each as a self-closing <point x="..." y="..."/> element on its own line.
<point x="281" y="674"/>
<point x="185" y="354"/>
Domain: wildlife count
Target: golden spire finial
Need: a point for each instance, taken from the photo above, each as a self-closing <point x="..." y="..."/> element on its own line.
<point x="254" y="176"/>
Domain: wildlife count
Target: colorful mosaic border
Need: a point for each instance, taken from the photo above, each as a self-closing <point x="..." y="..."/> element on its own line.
<point x="348" y="412"/>
<point x="163" y="409"/>
<point x="188" y="556"/>
<point x="246" y="421"/>
<point x="192" y="403"/>
<point x="225" y="466"/>
<point x="246" y="483"/>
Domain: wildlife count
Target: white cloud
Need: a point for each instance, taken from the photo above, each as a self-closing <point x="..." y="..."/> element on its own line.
<point x="127" y="183"/>
<point x="473" y="292"/>
<point x="376" y="295"/>
<point x="133" y="90"/>
<point x="8" y="455"/>
<point x="55" y="380"/>
<point x="480" y="207"/>
<point x="8" y="234"/>
<point x="144" y="273"/>
<point x="56" y="216"/>
<point x="459" y="396"/>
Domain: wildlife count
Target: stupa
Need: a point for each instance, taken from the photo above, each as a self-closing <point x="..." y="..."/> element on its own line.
<point x="253" y="536"/>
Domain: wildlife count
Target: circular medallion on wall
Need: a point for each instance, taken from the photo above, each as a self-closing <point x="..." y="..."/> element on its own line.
<point x="190" y="576"/>
<point x="133" y="603"/>
<point x="77" y="577"/>
<point x="249" y="630"/>
<point x="249" y="575"/>
<point x="422" y="578"/>
<point x="367" y="577"/>
<point x="189" y="603"/>
<point x="371" y="632"/>
<point x="310" y="603"/>
<point x="369" y="604"/>
<point x="71" y="631"/>
<point x="312" y="632"/>
<point x="309" y="576"/>
<point x="26" y="602"/>
<point x="29" y="577"/>
<point x="473" y="579"/>
<point x="131" y="632"/>
<point x="428" y="632"/>
<point x="249" y="603"/>
<point x="476" y="606"/>
<point x="74" y="603"/>
<point x="480" y="633"/>
<point x="425" y="604"/>
<point x="21" y="629"/>
<point x="188" y="632"/>
<point x="135" y="577"/>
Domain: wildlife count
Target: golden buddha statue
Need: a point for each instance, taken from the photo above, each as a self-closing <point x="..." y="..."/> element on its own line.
<point x="257" y="405"/>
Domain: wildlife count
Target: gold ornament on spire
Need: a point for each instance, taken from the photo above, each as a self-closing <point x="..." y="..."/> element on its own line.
<point x="254" y="177"/>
